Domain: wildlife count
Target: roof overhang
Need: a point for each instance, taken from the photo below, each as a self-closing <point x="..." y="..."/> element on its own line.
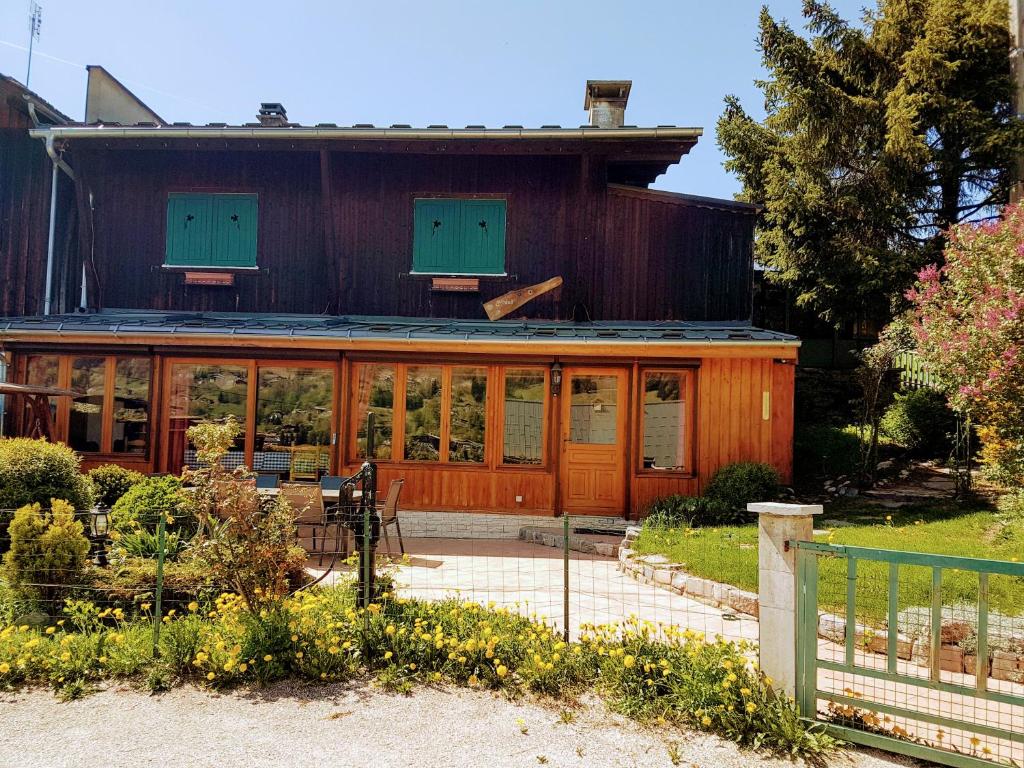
<point x="368" y="334"/>
<point x="268" y="133"/>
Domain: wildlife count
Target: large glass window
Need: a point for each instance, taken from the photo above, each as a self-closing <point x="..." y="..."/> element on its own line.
<point x="468" y="415"/>
<point x="665" y="420"/>
<point x="294" y="409"/>
<point x="85" y="424"/>
<point x="422" y="413"/>
<point x="523" y="439"/>
<point x="375" y="393"/>
<point x="201" y="392"/>
<point x="592" y="411"/>
<point x="131" y="406"/>
<point x="44" y="371"/>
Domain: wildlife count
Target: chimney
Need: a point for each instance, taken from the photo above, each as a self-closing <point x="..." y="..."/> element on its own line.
<point x="606" y="102"/>
<point x="272" y="114"/>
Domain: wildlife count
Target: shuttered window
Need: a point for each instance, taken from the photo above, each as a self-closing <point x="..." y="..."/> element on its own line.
<point x="211" y="230"/>
<point x="461" y="237"/>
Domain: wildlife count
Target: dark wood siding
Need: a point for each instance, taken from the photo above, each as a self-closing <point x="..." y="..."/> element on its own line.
<point x="129" y="218"/>
<point x="336" y="232"/>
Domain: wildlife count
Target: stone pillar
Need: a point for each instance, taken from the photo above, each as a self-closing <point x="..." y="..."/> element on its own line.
<point x="777" y="524"/>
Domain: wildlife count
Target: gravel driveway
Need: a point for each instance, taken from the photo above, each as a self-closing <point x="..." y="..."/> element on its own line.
<point x="297" y="725"/>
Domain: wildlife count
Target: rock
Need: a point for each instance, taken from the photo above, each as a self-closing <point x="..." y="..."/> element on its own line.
<point x="678" y="583"/>
<point x="970" y="663"/>
<point x="955" y="632"/>
<point x="884" y="466"/>
<point x="951" y="659"/>
<point x="744" y="602"/>
<point x="1006" y="666"/>
<point x="832" y="627"/>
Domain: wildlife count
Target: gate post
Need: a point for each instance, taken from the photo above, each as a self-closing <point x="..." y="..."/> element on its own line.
<point x="777" y="585"/>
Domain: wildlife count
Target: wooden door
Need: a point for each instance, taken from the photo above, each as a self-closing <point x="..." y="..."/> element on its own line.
<point x="593" y="462"/>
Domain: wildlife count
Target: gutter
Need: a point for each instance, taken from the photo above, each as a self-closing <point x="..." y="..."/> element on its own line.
<point x="302" y="132"/>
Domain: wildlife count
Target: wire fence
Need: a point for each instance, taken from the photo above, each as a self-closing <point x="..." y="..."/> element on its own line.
<point x="573" y="573"/>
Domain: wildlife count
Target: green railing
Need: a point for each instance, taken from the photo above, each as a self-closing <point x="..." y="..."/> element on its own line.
<point x="888" y="682"/>
<point x="913" y="374"/>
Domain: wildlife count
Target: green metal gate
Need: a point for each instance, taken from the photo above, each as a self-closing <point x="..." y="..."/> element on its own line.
<point x="919" y="690"/>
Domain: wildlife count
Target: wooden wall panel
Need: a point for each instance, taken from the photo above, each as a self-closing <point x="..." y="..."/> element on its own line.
<point x="335" y="235"/>
<point x="783" y="389"/>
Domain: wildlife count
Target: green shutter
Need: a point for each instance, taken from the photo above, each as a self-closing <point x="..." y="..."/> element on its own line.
<point x="211" y="230"/>
<point x="483" y="237"/>
<point x="234" y="230"/>
<point x="453" y="236"/>
<point x="435" y="235"/>
<point x="188" y="229"/>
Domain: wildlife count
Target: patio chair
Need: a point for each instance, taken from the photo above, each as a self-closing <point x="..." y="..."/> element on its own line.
<point x="266" y="480"/>
<point x="334" y="517"/>
<point x="306" y="463"/>
<point x="389" y="515"/>
<point x="307" y="503"/>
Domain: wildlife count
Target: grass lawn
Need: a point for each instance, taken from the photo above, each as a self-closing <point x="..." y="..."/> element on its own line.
<point x="729" y="554"/>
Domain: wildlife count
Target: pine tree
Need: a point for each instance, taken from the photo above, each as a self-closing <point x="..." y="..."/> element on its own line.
<point x="879" y="136"/>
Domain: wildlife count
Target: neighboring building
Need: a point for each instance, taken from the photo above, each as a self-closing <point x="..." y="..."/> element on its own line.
<point x="301" y="277"/>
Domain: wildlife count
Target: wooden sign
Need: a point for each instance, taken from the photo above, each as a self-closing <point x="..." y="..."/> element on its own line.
<point x="455" y="284"/>
<point x="209" y="278"/>
<point x="513" y="300"/>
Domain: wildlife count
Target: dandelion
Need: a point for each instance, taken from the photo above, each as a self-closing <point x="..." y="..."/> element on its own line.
<point x="242" y="667"/>
<point x="388" y="655"/>
<point x="5" y="668"/>
<point x="751" y="707"/>
<point x="502" y="670"/>
<point x="210" y="675"/>
<point x="628" y="662"/>
<point x="50" y="630"/>
<point x="268" y="657"/>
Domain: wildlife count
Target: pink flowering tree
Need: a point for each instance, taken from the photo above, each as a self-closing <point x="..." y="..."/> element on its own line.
<point x="969" y="331"/>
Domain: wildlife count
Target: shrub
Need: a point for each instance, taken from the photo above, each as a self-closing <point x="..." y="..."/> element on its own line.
<point x="1011" y="505"/>
<point x="132" y="581"/>
<point x="248" y="544"/>
<point x="144" y="543"/>
<point x="48" y="550"/>
<point x="736" y="485"/>
<point x="110" y="482"/>
<point x="678" y="511"/>
<point x="143" y="503"/>
<point x="824" y="451"/>
<point x="35" y="471"/>
<point x="921" y="422"/>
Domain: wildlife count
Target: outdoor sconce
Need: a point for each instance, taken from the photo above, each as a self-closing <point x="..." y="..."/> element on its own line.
<point x="556" y="379"/>
<point x="99" y="525"/>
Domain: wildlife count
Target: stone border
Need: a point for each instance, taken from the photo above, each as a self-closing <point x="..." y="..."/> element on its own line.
<point x="657" y="570"/>
<point x="550" y="536"/>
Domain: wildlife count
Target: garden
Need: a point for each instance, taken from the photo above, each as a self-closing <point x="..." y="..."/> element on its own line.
<point x="235" y="607"/>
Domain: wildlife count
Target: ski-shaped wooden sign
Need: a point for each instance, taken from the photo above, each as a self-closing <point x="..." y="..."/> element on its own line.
<point x="508" y="303"/>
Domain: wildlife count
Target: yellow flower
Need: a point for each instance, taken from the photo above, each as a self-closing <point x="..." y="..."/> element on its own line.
<point x="5" y="668"/>
<point x="744" y="691"/>
<point x="66" y="656"/>
<point x="388" y="655"/>
<point x="389" y="630"/>
<point x="242" y="667"/>
<point x="210" y="675"/>
<point x="751" y="707"/>
<point x="628" y="662"/>
<point x="193" y="606"/>
<point x="268" y="657"/>
<point x="50" y="630"/>
<point x="705" y="721"/>
<point x="502" y="670"/>
<point x="333" y="650"/>
<point x="170" y="519"/>
<point x="103" y="659"/>
<point x="412" y="667"/>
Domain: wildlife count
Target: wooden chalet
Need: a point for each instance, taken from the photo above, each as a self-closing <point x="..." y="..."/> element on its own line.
<point x="299" y="277"/>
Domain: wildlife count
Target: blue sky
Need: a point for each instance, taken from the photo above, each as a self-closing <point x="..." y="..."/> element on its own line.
<point x="457" y="63"/>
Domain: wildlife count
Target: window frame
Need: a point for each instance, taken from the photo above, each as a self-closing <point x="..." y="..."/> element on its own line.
<point x="545" y="418"/>
<point x="689" y="374"/>
<point x="62" y="419"/>
<point x="252" y="365"/>
<point x="213" y="266"/>
<point x="460" y="198"/>
<point x="401" y="368"/>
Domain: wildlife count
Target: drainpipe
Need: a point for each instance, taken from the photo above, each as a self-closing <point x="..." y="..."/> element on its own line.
<point x="58" y="162"/>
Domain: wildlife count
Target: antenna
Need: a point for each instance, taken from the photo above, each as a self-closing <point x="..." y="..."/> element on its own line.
<point x="35" y="22"/>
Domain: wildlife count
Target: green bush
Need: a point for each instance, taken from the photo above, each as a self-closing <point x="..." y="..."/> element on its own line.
<point x="678" y="511"/>
<point x="143" y="503"/>
<point x="48" y="551"/>
<point x="35" y="471"/>
<point x="144" y="543"/>
<point x="824" y="451"/>
<point x="921" y="422"/>
<point x="736" y="485"/>
<point x="1011" y="505"/>
<point x="110" y="482"/>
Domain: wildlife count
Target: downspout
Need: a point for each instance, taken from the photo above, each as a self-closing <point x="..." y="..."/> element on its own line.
<point x="58" y="162"/>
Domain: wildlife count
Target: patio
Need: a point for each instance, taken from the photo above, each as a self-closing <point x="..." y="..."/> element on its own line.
<point x="529" y="579"/>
